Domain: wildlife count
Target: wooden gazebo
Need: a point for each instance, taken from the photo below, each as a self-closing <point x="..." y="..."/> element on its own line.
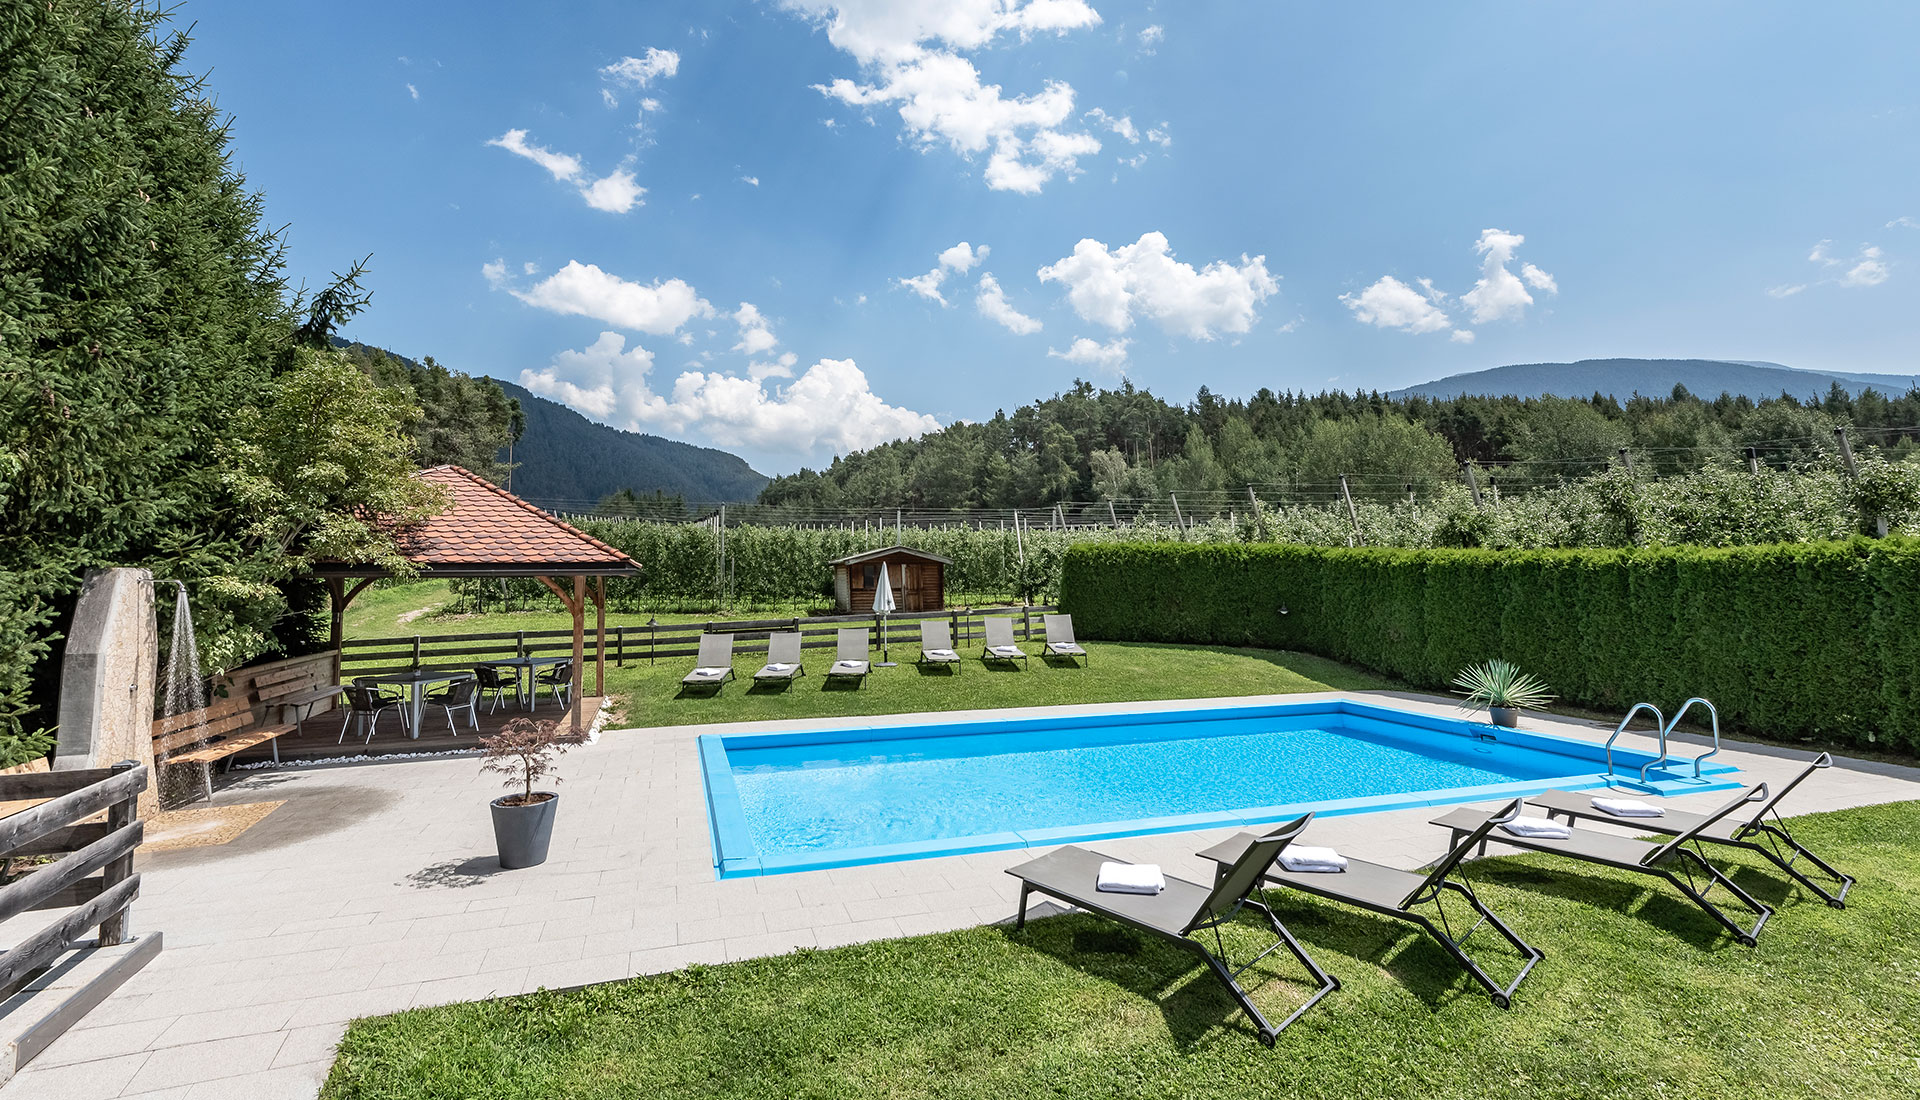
<point x="488" y="532"/>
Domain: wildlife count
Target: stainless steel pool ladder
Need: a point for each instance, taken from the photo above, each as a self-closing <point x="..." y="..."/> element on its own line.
<point x="1659" y="726"/>
<point x="1668" y="729"/>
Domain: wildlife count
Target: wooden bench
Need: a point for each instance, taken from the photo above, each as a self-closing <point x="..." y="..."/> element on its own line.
<point x="238" y="718"/>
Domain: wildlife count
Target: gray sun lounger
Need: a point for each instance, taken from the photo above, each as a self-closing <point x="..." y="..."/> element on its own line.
<point x="714" y="665"/>
<point x="850" y="656"/>
<point x="1060" y="641"/>
<point x="1674" y="861"/>
<point x="1771" y="839"/>
<point x="1000" y="645"/>
<point x="783" y="659"/>
<point x="1403" y="895"/>
<point x="1182" y="909"/>
<point x="936" y="645"/>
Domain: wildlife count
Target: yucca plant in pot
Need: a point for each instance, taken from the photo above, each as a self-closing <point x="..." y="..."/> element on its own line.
<point x="1503" y="689"/>
<point x="523" y="822"/>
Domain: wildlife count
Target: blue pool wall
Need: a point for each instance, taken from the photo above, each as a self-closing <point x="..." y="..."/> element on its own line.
<point x="737" y="856"/>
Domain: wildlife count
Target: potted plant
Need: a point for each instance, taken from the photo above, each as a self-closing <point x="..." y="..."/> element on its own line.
<point x="1503" y="689"/>
<point x="523" y="822"/>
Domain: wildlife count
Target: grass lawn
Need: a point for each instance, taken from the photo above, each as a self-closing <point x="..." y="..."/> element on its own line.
<point x="1119" y="671"/>
<point x="1639" y="996"/>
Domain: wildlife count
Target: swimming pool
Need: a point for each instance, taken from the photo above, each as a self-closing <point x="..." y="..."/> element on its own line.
<point x="804" y="800"/>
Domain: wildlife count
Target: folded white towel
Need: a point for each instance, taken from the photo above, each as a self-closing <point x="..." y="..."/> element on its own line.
<point x="1005" y="650"/>
<point x="1066" y="647"/>
<point x="940" y="654"/>
<point x="778" y="666"/>
<point x="1130" y="878"/>
<point x="1628" y="807"/>
<point x="710" y="673"/>
<point x="1537" y="827"/>
<point x="1306" y="858"/>
<point x="849" y="666"/>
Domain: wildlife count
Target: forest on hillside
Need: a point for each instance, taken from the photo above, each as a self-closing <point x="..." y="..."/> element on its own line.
<point x="1128" y="445"/>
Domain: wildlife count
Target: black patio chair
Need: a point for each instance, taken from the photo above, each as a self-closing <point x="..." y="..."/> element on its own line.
<point x="497" y="681"/>
<point x="1406" y="896"/>
<point x="1071" y="875"/>
<point x="461" y="694"/>
<point x="1779" y="844"/>
<point x="1683" y="866"/>
<point x="557" y="679"/>
<point x="366" y="702"/>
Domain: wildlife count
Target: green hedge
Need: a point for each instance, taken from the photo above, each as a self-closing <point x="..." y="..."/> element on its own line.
<point x="1809" y="640"/>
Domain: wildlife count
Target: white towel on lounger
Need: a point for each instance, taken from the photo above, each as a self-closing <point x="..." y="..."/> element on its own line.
<point x="1005" y="651"/>
<point x="778" y="666"/>
<point x="1130" y="878"/>
<point x="850" y="666"/>
<point x="1307" y="858"/>
<point x="1540" y="827"/>
<point x="1628" y="807"/>
<point x="940" y="654"/>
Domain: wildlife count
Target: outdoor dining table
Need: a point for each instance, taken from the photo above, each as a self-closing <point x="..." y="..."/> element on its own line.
<point x="415" y="681"/>
<point x="527" y="665"/>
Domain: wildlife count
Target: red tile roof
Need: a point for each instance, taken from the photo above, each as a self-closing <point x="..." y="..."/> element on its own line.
<point x="487" y="527"/>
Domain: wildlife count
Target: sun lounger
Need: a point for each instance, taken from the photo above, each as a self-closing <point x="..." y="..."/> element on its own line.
<point x="850" y="657"/>
<point x="714" y="665"/>
<point x="1674" y="861"/>
<point x="1406" y="895"/>
<point x="1771" y="839"/>
<point x="1181" y="910"/>
<point x="783" y="659"/>
<point x="936" y="645"/>
<point x="1000" y="645"/>
<point x="1060" y="641"/>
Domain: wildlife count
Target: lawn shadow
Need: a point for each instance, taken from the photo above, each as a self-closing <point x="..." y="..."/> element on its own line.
<point x="771" y="687"/>
<point x="1657" y="902"/>
<point x="1062" y="660"/>
<point x="944" y="669"/>
<point x="1403" y="951"/>
<point x="1194" y="1004"/>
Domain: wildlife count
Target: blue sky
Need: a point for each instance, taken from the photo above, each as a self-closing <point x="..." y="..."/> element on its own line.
<point x="737" y="224"/>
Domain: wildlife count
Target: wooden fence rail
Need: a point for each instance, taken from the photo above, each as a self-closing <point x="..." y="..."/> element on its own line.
<point x="93" y="880"/>
<point x="372" y="656"/>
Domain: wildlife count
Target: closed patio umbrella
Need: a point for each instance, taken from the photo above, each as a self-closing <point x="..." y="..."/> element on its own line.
<point x="883" y="606"/>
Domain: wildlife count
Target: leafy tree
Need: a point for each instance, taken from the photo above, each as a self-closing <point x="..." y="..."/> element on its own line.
<point x="1395" y="452"/>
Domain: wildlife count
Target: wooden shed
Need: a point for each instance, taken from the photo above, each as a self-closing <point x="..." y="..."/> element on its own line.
<point x="918" y="579"/>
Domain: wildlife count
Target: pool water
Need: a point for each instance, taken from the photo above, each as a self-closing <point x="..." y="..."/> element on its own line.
<point x="804" y="800"/>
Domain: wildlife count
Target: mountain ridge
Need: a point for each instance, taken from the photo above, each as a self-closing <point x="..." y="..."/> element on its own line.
<point x="1623" y="377"/>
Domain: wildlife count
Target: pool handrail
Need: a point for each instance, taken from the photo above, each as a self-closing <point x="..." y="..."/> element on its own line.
<point x="1659" y="725"/>
<point x="1672" y="725"/>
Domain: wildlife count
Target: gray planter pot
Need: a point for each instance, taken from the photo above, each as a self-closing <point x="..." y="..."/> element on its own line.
<point x="522" y="833"/>
<point x="1506" y="716"/>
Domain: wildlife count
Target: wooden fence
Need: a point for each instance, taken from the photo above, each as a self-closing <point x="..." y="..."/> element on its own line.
<point x="371" y="656"/>
<point x="93" y="880"/>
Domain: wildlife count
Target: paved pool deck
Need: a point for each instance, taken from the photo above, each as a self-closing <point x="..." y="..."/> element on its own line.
<point x="374" y="889"/>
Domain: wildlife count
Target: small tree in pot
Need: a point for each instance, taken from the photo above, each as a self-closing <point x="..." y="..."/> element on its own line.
<point x="1503" y="689"/>
<point x="523" y="822"/>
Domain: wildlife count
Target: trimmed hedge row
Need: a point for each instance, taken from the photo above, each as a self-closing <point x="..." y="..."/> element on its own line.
<point x="1818" y="640"/>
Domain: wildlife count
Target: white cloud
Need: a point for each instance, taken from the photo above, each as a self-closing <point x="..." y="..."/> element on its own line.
<point x="638" y="72"/>
<point x="1499" y="295"/>
<point x="1160" y="135"/>
<point x="1110" y="286"/>
<point x="831" y="405"/>
<point x="1152" y="36"/>
<point x="1867" y="267"/>
<point x="561" y="165"/>
<point x="756" y="333"/>
<point x="584" y="290"/>
<point x="1091" y="353"/>
<point x="960" y="259"/>
<point x="616" y="193"/>
<point x="495" y="272"/>
<point x="750" y="181"/>
<point x="413" y="91"/>
<point x="908" y="51"/>
<point x="1390" y="303"/>
<point x="993" y="305"/>
<point x="529" y="268"/>
<point x="1123" y="125"/>
<point x="779" y="368"/>
<point x="1904" y="221"/>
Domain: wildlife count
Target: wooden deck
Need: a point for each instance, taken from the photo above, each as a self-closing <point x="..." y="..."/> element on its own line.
<point x="319" y="736"/>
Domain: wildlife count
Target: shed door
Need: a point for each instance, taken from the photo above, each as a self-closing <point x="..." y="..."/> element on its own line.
<point x="909" y="595"/>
